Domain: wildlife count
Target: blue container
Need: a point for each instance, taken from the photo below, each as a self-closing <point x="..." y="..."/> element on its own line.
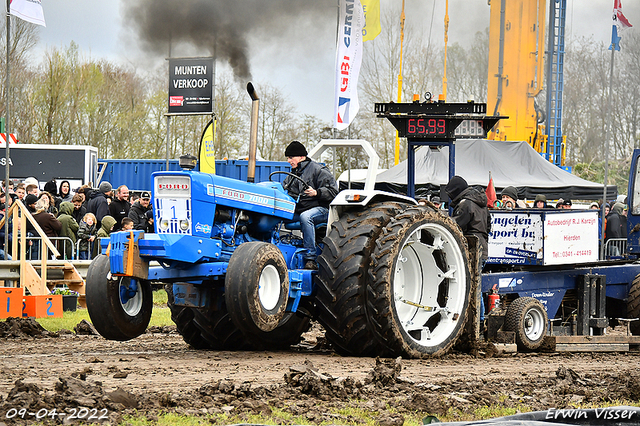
<point x="136" y="174"/>
<point x="238" y="169"/>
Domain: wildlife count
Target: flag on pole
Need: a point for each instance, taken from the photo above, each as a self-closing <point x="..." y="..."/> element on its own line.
<point x="28" y="10"/>
<point x="207" y="158"/>
<point x="371" y="28"/>
<point x="348" y="60"/>
<point x="491" y="193"/>
<point x="620" y="23"/>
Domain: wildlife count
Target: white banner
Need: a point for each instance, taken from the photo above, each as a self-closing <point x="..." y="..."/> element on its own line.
<point x="28" y="10"/>
<point x="348" y="60"/>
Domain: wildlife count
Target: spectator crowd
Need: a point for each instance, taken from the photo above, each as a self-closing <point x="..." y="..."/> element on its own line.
<point x="74" y="219"/>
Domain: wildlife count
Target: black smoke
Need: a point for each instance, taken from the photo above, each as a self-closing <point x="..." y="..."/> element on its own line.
<point x="220" y="27"/>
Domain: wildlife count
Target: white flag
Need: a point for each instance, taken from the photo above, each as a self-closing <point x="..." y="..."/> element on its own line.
<point x="28" y="10"/>
<point x="348" y="60"/>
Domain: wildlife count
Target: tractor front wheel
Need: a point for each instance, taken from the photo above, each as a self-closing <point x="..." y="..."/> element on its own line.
<point x="257" y="287"/>
<point x="119" y="307"/>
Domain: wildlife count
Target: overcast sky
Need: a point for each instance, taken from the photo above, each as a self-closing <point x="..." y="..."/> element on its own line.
<point x="296" y="54"/>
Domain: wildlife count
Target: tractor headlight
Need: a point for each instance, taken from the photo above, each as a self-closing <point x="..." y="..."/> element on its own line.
<point x="164" y="224"/>
<point x="184" y="225"/>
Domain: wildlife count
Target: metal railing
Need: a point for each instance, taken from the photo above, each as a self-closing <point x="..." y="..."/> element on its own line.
<point x="19" y="215"/>
<point x="615" y="247"/>
<point x="33" y="247"/>
<point x="89" y="251"/>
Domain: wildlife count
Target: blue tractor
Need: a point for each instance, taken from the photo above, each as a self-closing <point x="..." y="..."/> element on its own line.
<point x="393" y="279"/>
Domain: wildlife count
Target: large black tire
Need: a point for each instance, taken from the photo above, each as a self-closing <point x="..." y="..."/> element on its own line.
<point x="207" y="328"/>
<point x="212" y="327"/>
<point x="342" y="275"/>
<point x="420" y="284"/>
<point x="112" y="318"/>
<point x="527" y="317"/>
<point x="633" y="306"/>
<point x="257" y="287"/>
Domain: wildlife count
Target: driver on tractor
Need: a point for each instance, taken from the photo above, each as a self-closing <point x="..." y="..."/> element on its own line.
<point x="313" y="197"/>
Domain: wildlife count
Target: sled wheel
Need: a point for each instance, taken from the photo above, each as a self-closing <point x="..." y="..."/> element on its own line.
<point x="257" y="287"/>
<point x="119" y="307"/>
<point x="528" y="318"/>
<point x="633" y="306"/>
<point x="342" y="275"/>
<point x="419" y="292"/>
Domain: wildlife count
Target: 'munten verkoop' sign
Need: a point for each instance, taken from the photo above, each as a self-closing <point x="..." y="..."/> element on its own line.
<point x="191" y="86"/>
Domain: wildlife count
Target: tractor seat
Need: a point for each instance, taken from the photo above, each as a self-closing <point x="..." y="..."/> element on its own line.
<point x="321" y="229"/>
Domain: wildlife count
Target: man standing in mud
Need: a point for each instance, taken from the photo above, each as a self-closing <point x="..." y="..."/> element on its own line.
<point x="470" y="212"/>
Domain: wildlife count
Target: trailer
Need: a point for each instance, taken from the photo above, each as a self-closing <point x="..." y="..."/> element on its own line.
<point x="76" y="163"/>
<point x="543" y="284"/>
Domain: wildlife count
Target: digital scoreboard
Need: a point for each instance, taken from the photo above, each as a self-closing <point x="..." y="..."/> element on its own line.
<point x="438" y="120"/>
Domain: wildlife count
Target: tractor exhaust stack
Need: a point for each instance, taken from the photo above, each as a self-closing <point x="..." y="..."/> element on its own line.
<point x="253" y="137"/>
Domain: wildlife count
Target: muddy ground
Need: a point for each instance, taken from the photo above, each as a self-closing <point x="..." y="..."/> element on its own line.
<point x="158" y="373"/>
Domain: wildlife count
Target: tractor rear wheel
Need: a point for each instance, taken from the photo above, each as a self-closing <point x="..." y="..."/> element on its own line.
<point x="342" y="275"/>
<point x="212" y="327"/>
<point x="119" y="307"/>
<point x="420" y="284"/>
<point x="527" y="317"/>
<point x="633" y="306"/>
<point x="207" y="328"/>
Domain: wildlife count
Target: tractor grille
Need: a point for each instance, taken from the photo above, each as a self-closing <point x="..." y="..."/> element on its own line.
<point x="172" y="205"/>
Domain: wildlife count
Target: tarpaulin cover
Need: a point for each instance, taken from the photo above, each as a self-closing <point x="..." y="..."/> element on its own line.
<point x="510" y="164"/>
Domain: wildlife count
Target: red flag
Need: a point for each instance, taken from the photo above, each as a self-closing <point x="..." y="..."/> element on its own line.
<point x="491" y="194"/>
<point x="619" y="19"/>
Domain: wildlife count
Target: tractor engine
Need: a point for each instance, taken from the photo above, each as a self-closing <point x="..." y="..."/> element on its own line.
<point x="230" y="211"/>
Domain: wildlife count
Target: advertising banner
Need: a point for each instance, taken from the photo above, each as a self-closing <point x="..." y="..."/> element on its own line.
<point x="543" y="237"/>
<point x="348" y="61"/>
<point x="516" y="237"/>
<point x="571" y="237"/>
<point x="190" y="86"/>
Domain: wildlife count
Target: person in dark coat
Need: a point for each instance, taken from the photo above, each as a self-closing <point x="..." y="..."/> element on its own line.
<point x="138" y="212"/>
<point x="541" y="202"/>
<point x="64" y="192"/>
<point x="119" y="207"/>
<point x="47" y="221"/>
<point x="470" y="211"/>
<point x="616" y="227"/>
<point x="79" y="210"/>
<point x="98" y="204"/>
<point x="313" y="199"/>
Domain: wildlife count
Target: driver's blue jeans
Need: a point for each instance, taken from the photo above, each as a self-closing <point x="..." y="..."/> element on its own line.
<point x="308" y="221"/>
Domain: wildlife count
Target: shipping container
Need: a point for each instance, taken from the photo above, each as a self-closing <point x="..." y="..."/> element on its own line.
<point x="136" y="174"/>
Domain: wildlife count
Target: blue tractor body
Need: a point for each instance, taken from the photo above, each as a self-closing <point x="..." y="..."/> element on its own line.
<point x="200" y="220"/>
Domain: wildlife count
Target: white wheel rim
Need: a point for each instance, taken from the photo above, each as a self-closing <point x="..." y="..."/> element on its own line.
<point x="133" y="306"/>
<point x="533" y="324"/>
<point x="269" y="287"/>
<point x="428" y="312"/>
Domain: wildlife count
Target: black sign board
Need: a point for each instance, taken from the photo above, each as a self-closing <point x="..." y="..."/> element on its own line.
<point x="191" y="86"/>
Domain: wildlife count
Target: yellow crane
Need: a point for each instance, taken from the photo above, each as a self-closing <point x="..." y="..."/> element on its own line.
<point x="516" y="68"/>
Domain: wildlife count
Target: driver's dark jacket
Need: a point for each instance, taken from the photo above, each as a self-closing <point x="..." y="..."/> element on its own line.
<point x="319" y="178"/>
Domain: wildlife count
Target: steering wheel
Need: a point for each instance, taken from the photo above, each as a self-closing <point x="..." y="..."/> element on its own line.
<point x="305" y="185"/>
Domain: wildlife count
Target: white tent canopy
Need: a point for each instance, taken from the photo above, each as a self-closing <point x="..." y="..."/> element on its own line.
<point x="509" y="163"/>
